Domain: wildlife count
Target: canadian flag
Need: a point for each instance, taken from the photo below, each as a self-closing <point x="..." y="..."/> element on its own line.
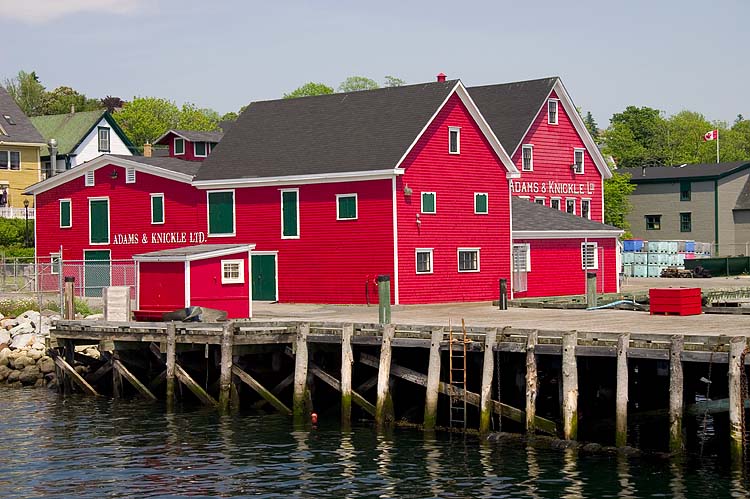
<point x="712" y="135"/>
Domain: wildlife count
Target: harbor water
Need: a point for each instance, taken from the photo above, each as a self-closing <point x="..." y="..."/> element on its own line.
<point x="79" y="447"/>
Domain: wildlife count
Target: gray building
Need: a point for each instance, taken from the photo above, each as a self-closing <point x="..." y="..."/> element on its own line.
<point x="705" y="202"/>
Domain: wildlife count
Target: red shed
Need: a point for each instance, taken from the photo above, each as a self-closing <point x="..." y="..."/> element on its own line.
<point x="208" y="275"/>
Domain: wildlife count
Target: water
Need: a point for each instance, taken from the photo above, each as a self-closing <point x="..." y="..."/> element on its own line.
<point x="84" y="448"/>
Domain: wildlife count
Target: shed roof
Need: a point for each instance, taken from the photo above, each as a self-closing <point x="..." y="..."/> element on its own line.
<point x="707" y="171"/>
<point x="189" y="253"/>
<point x="70" y="129"/>
<point x="530" y="216"/>
<point x="16" y="127"/>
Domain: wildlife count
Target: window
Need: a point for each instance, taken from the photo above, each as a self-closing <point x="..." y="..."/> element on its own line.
<point x="527" y="155"/>
<point x="89" y="178"/>
<point x="99" y="221"/>
<point x="586" y="208"/>
<point x="468" y="259"/>
<point x="481" y="206"/>
<point x="179" y="146"/>
<point x="103" y="139"/>
<point x="157" y="208"/>
<point x="653" y="222"/>
<point x="552" y="111"/>
<point x="10" y="160"/>
<point x="130" y="175"/>
<point x="454" y="140"/>
<point x="232" y="271"/>
<point x="428" y="202"/>
<point x="685" y="190"/>
<point x="65" y="216"/>
<point x="521" y="258"/>
<point x="578" y="161"/>
<point x="424" y="260"/>
<point x="221" y="213"/>
<point x="686" y="222"/>
<point x="54" y="259"/>
<point x="570" y="205"/>
<point x="554" y="203"/>
<point x="540" y="200"/>
<point x="346" y="206"/>
<point x="589" y="256"/>
<point x="290" y="213"/>
<point x="200" y="150"/>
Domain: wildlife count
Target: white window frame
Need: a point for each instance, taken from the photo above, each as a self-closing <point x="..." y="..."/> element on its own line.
<point x="559" y="203"/>
<point x="281" y="208"/>
<point x="583" y="158"/>
<point x="557" y="111"/>
<point x="99" y="138"/>
<point x="130" y="175"/>
<point x="109" y="220"/>
<point x="195" y="151"/>
<point x="574" y="205"/>
<point x="89" y="178"/>
<point x="240" y="279"/>
<point x="530" y="148"/>
<point x="429" y="251"/>
<point x="595" y="247"/>
<point x="487" y="204"/>
<point x="528" y="257"/>
<point x="339" y="196"/>
<point x="421" y="203"/>
<point x="52" y="257"/>
<point x="7" y="160"/>
<point x="163" y="208"/>
<point x="208" y="214"/>
<point x="10" y="161"/>
<point x="458" y="259"/>
<point x="174" y="146"/>
<point x="527" y="198"/>
<point x="586" y="200"/>
<point x="457" y="130"/>
<point x="70" y="212"/>
<point x="542" y="199"/>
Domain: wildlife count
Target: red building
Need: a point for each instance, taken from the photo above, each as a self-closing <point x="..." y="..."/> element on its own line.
<point x="334" y="190"/>
<point x="189" y="145"/>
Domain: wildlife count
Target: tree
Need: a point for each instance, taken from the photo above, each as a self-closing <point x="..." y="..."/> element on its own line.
<point x="192" y="118"/>
<point x="64" y="99"/>
<point x="307" y="90"/>
<point x="636" y="137"/>
<point x="230" y="116"/>
<point x="617" y="191"/>
<point x="27" y="91"/>
<point x="392" y="81"/>
<point x="146" y="118"/>
<point x="739" y="119"/>
<point x="591" y="126"/>
<point x="112" y="104"/>
<point x="357" y="83"/>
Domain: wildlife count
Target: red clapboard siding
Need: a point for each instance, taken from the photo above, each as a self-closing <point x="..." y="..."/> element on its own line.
<point x="129" y="212"/>
<point x="454" y="178"/>
<point x="553" y="157"/>
<point x="556" y="268"/>
<point x="189" y="150"/>
<point x="206" y="289"/>
<point x="162" y="286"/>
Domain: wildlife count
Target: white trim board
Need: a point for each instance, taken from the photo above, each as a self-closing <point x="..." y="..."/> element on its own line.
<point x="317" y="178"/>
<point x="150" y="257"/>
<point x="565" y="234"/>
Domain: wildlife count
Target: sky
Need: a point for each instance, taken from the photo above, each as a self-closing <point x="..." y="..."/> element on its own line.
<point x="667" y="54"/>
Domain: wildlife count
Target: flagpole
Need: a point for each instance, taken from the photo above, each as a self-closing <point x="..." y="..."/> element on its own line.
<point x="717" y="146"/>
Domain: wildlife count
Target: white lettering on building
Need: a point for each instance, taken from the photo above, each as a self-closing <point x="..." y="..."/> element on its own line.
<point x="160" y="238"/>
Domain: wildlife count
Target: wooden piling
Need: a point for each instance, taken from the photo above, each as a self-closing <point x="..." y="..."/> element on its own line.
<point x="125" y="373"/>
<point x="570" y="385"/>
<point x="260" y="390"/>
<point x="347" y="359"/>
<point x="225" y="369"/>
<point x="621" y="401"/>
<point x="69" y="298"/>
<point x="488" y="371"/>
<point x="384" y="405"/>
<point x="194" y="387"/>
<point x="676" y="397"/>
<point x="433" y="381"/>
<point x="299" y="404"/>
<point x="531" y="381"/>
<point x="736" y="348"/>
<point x="171" y="359"/>
<point x="71" y="373"/>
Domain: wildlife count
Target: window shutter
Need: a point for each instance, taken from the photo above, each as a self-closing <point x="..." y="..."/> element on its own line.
<point x="480" y="203"/>
<point x="221" y="212"/>
<point x="428" y="202"/>
<point x="289" y="209"/>
<point x="99" y="221"/>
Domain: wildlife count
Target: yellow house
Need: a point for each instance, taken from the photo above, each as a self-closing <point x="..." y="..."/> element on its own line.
<point x="20" y="146"/>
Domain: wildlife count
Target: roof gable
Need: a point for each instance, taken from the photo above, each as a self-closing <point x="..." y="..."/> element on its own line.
<point x="70" y="129"/>
<point x="190" y="135"/>
<point x="22" y="131"/>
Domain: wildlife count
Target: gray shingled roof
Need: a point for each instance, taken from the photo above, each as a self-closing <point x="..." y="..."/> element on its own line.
<point x="675" y="173"/>
<point x="198" y="136"/>
<point x="188" y="251"/>
<point x="510" y="108"/>
<point x="528" y="215"/>
<point x="22" y="130"/>
<point x="165" y="162"/>
<point x="337" y="133"/>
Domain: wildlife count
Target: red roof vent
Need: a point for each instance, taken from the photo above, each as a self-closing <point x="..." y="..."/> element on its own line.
<point x="441" y="77"/>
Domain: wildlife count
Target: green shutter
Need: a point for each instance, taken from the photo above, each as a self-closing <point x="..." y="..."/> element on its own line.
<point x="99" y="220"/>
<point x="221" y="212"/>
<point x="347" y="207"/>
<point x="289" y="214"/>
<point x="428" y="202"/>
<point x="480" y="203"/>
<point x="157" y="209"/>
<point x="64" y="213"/>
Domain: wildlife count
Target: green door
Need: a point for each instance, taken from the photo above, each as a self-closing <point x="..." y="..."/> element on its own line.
<point x="264" y="277"/>
<point x="96" y="272"/>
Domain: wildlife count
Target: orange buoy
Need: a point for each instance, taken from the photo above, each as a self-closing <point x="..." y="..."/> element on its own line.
<point x="314" y="418"/>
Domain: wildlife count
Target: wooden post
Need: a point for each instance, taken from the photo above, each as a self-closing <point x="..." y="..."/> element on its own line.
<point x="347" y="359"/>
<point x="590" y="289"/>
<point x="299" y="404"/>
<point x="531" y="381"/>
<point x="676" y="397"/>
<point x="225" y="370"/>
<point x="116" y="378"/>
<point x="384" y="299"/>
<point x="266" y="394"/>
<point x="69" y="298"/>
<point x="488" y="371"/>
<point x="736" y="348"/>
<point x="570" y="385"/>
<point x="621" y="402"/>
<point x="171" y="359"/>
<point x="433" y="381"/>
<point x="125" y="373"/>
<point x="384" y="405"/>
<point x="194" y="387"/>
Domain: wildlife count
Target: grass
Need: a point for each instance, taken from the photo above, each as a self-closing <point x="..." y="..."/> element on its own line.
<point x="13" y="307"/>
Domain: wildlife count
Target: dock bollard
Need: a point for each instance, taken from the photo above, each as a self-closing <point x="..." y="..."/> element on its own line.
<point x="503" y="302"/>
<point x="384" y="299"/>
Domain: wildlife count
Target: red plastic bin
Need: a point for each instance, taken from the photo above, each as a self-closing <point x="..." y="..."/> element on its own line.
<point x="677" y="301"/>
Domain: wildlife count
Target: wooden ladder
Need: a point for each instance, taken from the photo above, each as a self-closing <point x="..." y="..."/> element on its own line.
<point x="457" y="378"/>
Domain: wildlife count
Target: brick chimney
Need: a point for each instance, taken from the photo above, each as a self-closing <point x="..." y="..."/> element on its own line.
<point x="441" y="77"/>
<point x="147" y="150"/>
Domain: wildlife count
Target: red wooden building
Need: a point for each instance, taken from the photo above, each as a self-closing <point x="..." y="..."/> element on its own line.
<point x="189" y="145"/>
